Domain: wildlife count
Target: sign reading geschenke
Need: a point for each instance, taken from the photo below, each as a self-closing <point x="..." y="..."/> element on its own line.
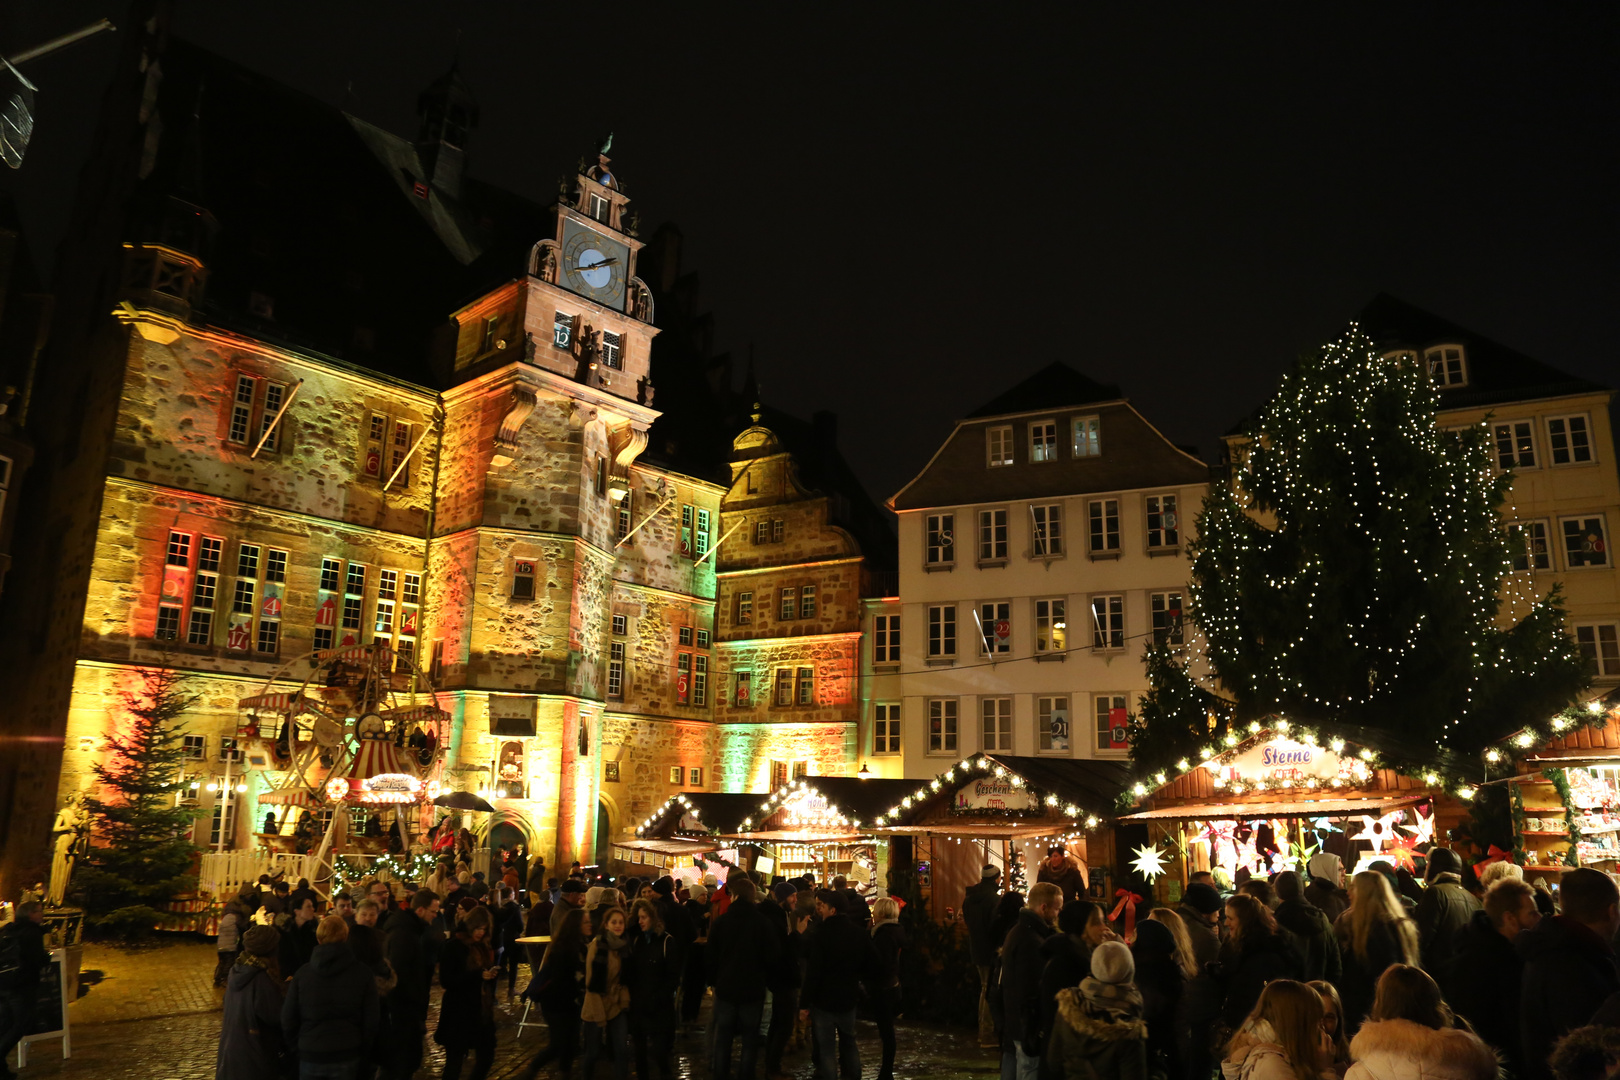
<point x="993" y="794"/>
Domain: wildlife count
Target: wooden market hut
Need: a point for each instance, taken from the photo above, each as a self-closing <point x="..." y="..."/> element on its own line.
<point x="997" y="809"/>
<point x="1280" y="794"/>
<point x="822" y="825"/>
<point x="680" y="838"/>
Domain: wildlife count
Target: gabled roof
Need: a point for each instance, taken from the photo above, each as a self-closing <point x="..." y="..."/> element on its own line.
<point x="1055" y="386"/>
<point x="1496" y="373"/>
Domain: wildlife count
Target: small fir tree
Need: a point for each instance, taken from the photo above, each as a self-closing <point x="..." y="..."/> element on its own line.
<point x="1351" y="572"/>
<point x="140" y="849"/>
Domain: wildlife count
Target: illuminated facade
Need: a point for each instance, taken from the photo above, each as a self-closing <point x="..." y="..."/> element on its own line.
<point x="262" y="471"/>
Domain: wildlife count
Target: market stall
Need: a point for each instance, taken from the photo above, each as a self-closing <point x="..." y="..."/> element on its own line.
<point x="1565" y="789"/>
<point x="1004" y="811"/>
<point x="696" y="818"/>
<point x="1291" y="797"/>
<point x="821" y="826"/>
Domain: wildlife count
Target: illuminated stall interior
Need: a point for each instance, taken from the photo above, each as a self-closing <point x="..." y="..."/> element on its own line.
<point x="1287" y="794"/>
<point x="821" y="825"/>
<point x="1004" y="811"/>
<point x="1578" y="754"/>
<point x="682" y="837"/>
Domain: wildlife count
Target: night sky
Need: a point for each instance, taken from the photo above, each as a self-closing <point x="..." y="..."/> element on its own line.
<point x="902" y="214"/>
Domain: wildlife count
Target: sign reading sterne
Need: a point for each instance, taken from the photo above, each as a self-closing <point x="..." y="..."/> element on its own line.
<point x="1282" y="759"/>
<point x="993" y="794"/>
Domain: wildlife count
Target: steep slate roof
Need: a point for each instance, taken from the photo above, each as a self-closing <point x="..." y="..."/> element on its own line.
<point x="1134" y="453"/>
<point x="1055" y="384"/>
<point x="1496" y="373"/>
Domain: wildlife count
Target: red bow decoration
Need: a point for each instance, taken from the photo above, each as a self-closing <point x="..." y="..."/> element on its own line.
<point x="1127" y="903"/>
<point x="1495" y="854"/>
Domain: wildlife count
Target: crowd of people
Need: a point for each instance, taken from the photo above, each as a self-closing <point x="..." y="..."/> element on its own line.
<point x="1382" y="976"/>
<point x="1458" y="976"/>
<point x="616" y="968"/>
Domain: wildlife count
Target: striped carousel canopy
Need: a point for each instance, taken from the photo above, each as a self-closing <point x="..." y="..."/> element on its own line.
<point x="378" y="757"/>
<point x="272" y="702"/>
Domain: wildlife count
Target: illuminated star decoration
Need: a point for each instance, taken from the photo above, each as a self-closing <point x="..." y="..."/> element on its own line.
<point x="1324" y="825"/>
<point x="1378" y="831"/>
<point x="1149" y="862"/>
<point x="1422" y="832"/>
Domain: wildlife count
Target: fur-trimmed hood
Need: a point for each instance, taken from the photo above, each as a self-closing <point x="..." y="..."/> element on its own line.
<point x="1404" y="1050"/>
<point x="1103" y="1026"/>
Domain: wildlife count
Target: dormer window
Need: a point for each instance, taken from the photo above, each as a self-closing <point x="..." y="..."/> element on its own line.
<point x="1447" y="366"/>
<point x="600" y="206"/>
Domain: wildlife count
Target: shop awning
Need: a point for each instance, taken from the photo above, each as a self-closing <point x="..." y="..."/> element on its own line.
<point x="977" y="831"/>
<point x="800" y="836"/>
<point x="1294" y="808"/>
<point x="669" y="847"/>
<point x="295" y="797"/>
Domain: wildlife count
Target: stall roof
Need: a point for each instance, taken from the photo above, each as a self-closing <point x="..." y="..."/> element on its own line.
<point x="673" y="846"/>
<point x="1296" y="807"/>
<point x="857" y="799"/>
<point x="800" y="836"/>
<point x="970" y="830"/>
<point x="1091" y="784"/>
<point x="718" y="811"/>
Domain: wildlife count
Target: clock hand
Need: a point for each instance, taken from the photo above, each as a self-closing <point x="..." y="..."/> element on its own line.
<point x="604" y="264"/>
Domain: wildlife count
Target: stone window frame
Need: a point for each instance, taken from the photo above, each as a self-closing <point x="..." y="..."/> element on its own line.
<point x="1567" y="436"/>
<point x="390" y="441"/>
<point x="807" y="601"/>
<point x="1109" y="633"/>
<point x="992" y="549"/>
<point x="1085" y="436"/>
<point x="743" y="615"/>
<point x="886" y="728"/>
<point x="1583" y="522"/>
<point x="1521" y="538"/>
<point x="804" y="686"/>
<point x="782" y="680"/>
<point x="1438" y="360"/>
<point x="1162" y="539"/>
<point x="1046" y="539"/>
<point x="939" y="540"/>
<point x="994" y="736"/>
<point x="1051" y="615"/>
<point x="1043" y="441"/>
<point x="1046" y="710"/>
<point x="1513" y="444"/>
<point x="885" y="639"/>
<point x="1101" y="541"/>
<point x="1159" y="616"/>
<point x="1104" y="744"/>
<point x="523" y="575"/>
<point x="1600" y="650"/>
<point x="942" y="633"/>
<point x="990" y="612"/>
<point x="998" y="446"/>
<point x="250" y="410"/>
<point x="944" y="737"/>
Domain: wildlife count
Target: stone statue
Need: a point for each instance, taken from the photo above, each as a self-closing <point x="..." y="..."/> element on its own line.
<point x="607" y="144"/>
<point x="548" y="264"/>
<point x="71" y="824"/>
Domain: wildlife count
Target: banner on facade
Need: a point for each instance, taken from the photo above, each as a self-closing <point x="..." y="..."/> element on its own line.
<point x="1118" y="730"/>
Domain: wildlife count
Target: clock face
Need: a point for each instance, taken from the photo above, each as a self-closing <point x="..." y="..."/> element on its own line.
<point x="594" y="265"/>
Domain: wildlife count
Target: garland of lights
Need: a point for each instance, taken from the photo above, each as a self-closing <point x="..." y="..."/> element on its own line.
<point x="345" y="871"/>
<point x="980" y="763"/>
<point x="1559" y="779"/>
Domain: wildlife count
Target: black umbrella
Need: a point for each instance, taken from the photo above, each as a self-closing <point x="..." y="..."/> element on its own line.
<point x="463" y="800"/>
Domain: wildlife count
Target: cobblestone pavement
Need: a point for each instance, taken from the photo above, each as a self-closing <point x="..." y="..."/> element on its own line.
<point x="152" y="1014"/>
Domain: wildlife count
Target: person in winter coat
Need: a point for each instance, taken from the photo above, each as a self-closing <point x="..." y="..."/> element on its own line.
<point x="978" y="912"/>
<point x="785" y="978"/>
<point x="1161" y="981"/>
<point x="607" y="995"/>
<point x="1063" y="870"/>
<point x="1281" y="1039"/>
<point x="1444" y="909"/>
<point x="1256" y="952"/>
<point x="468" y="970"/>
<point x="888" y="941"/>
<point x="1021" y="967"/>
<point x="1310" y="927"/>
<point x="250" y="1043"/>
<point x="558" y="987"/>
<point x="655" y="971"/>
<point x="694" y="974"/>
<point x="1569" y="966"/>
<point x="1481" y="983"/>
<point x="1098" y="1030"/>
<point x="1411" y="1035"/>
<point x="1200" y="1002"/>
<point x="1200" y="910"/>
<point x="840" y="955"/>
<point x="232" y="925"/>
<point x="508" y="928"/>
<point x="1066" y="955"/>
<point x="330" y="1014"/>
<point x="411" y="946"/>
<point x="298" y="938"/>
<point x="1373" y="934"/>
<point x="742" y="949"/>
<point x="1007" y="909"/>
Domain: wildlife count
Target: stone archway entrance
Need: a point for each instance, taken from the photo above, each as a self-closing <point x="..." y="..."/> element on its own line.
<point x="604" y="833"/>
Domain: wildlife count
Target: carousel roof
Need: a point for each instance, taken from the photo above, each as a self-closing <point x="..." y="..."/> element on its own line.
<point x="378" y="757"/>
<point x="291" y="797"/>
<point x="282" y="702"/>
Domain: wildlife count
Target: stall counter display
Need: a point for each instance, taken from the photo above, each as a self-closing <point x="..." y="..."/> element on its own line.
<point x="1544" y="823"/>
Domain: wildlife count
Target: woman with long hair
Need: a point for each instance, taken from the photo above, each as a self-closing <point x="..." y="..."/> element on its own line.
<point x="1333" y="1025"/>
<point x="1375" y="933"/>
<point x="654" y="972"/>
<point x="888" y="939"/>
<point x="1412" y="1032"/>
<point x="1281" y="1039"/>
<point x="1186" y="959"/>
<point x="607" y="996"/>
<point x="1256" y="952"/>
<point x="467" y="971"/>
<point x="558" y="988"/>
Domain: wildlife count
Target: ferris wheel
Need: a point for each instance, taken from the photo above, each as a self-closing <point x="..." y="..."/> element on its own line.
<point x="364" y="725"/>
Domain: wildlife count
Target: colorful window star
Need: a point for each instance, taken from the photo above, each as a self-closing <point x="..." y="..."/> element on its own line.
<point x="1380" y="830"/>
<point x="1149" y="862"/>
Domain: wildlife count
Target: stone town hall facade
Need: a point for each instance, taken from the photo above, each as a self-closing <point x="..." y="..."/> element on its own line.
<point x="251" y="474"/>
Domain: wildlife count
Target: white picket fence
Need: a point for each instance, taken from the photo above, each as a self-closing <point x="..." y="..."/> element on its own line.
<point x="223" y="872"/>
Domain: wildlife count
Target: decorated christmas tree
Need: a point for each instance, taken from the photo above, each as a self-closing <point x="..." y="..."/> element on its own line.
<point x="140" y="849"/>
<point x="1351" y="572"/>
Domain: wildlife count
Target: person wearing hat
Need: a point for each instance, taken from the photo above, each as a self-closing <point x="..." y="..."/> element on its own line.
<point x="572" y="896"/>
<point x="1201" y="910"/>
<point x="1063" y="870"/>
<point x="1445" y="908"/>
<point x="694" y="974"/>
<point x="782" y="978"/>
<point x="978" y="912"/>
<point x="1099" y="1030"/>
<point x="250" y="1042"/>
